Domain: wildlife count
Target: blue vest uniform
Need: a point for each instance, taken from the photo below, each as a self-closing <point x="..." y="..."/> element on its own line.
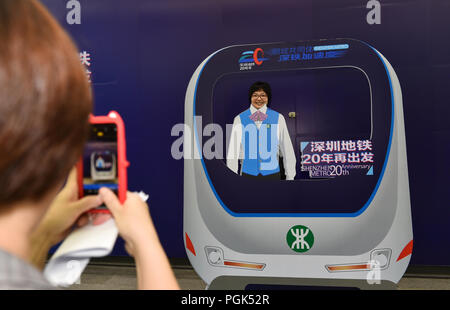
<point x="253" y="163"/>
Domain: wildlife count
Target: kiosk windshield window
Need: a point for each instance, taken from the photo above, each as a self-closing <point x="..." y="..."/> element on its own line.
<point x="327" y="113"/>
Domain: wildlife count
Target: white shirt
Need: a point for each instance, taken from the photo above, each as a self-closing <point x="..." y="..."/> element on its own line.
<point x="236" y="153"/>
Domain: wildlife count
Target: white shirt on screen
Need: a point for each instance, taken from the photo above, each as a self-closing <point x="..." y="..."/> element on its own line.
<point x="235" y="151"/>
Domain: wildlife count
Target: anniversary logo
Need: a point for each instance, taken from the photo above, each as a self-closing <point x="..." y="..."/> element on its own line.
<point x="323" y="159"/>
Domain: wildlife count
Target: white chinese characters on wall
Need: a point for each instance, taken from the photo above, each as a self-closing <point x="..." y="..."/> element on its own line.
<point x="85" y="58"/>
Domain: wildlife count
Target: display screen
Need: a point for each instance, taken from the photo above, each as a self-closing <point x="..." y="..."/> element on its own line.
<point x="100" y="160"/>
<point x="328" y="116"/>
<point x="337" y="115"/>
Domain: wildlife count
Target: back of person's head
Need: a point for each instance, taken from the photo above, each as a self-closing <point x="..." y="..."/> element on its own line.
<point x="260" y="86"/>
<point x="45" y="101"/>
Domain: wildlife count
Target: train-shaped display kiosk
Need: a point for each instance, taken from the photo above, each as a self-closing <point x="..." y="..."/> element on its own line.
<point x="345" y="220"/>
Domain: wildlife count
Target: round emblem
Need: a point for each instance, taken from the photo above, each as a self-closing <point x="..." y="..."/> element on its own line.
<point x="300" y="238"/>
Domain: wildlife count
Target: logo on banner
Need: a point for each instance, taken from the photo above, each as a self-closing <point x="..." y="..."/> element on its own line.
<point x="328" y="159"/>
<point x="374" y="15"/>
<point x="300" y="238"/>
<point x="249" y="59"/>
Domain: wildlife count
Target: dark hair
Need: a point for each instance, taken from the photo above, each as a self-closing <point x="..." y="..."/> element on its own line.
<point x="45" y="101"/>
<point x="260" y="86"/>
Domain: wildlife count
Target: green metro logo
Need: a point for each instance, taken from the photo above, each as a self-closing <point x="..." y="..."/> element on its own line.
<point x="300" y="238"/>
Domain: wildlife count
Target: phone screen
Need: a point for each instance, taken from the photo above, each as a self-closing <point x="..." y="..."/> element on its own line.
<point x="100" y="160"/>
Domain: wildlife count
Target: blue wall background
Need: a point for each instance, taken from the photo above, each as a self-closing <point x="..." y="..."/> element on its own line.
<point x="144" y="52"/>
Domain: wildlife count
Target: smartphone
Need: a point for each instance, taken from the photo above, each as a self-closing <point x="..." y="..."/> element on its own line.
<point x="103" y="163"/>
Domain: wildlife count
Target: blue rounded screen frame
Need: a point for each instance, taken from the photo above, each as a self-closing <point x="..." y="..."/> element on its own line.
<point x="354" y="214"/>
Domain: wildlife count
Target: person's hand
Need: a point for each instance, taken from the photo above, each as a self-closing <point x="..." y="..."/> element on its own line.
<point x="66" y="211"/>
<point x="141" y="240"/>
<point x="132" y="219"/>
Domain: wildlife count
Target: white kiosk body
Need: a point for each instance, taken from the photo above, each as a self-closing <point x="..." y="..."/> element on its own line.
<point x="359" y="225"/>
